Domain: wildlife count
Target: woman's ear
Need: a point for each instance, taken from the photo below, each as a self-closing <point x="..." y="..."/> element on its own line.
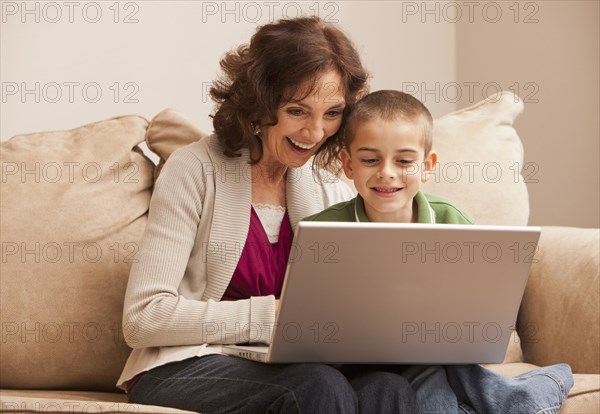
<point x="428" y="164"/>
<point x="346" y="162"/>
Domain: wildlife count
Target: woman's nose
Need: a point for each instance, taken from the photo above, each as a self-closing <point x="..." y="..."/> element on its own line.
<point x="315" y="130"/>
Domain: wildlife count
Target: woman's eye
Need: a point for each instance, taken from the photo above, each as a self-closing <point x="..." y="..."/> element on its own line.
<point x="295" y="111"/>
<point x="334" y="114"/>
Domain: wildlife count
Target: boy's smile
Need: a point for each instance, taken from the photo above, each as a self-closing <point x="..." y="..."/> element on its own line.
<point x="386" y="161"/>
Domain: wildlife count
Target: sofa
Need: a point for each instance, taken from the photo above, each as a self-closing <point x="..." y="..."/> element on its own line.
<point x="73" y="210"/>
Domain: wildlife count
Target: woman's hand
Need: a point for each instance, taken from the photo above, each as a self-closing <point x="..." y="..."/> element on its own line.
<point x="276" y="308"/>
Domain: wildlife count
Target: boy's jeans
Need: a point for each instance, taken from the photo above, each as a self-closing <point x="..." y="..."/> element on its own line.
<point x="474" y="389"/>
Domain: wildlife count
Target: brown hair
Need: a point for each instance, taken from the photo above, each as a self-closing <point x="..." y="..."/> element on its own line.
<point x="389" y="105"/>
<point x="265" y="74"/>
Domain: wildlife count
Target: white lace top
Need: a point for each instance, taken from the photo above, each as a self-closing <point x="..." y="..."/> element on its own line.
<point x="270" y="217"/>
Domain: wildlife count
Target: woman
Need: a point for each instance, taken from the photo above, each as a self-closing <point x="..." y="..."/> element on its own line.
<point x="229" y="199"/>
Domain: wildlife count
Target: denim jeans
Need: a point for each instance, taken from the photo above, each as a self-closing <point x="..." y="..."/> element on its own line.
<point x="475" y="389"/>
<point x="223" y="384"/>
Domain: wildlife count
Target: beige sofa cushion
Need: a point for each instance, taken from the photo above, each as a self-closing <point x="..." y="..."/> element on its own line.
<point x="73" y="208"/>
<point x="480" y="159"/>
<point x="559" y="320"/>
<point x="75" y="402"/>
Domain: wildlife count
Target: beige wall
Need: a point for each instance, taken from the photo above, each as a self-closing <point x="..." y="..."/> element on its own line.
<point x="550" y="55"/>
<point x="152" y="55"/>
<point x="165" y="54"/>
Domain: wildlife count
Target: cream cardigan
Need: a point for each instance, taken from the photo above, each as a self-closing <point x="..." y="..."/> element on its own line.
<point x="197" y="225"/>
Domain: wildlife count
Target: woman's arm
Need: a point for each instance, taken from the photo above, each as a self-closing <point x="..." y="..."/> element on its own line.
<point x="155" y="313"/>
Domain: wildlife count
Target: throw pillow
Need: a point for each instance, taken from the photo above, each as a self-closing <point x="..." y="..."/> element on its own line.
<point x="73" y="209"/>
<point x="480" y="158"/>
<point x="168" y="131"/>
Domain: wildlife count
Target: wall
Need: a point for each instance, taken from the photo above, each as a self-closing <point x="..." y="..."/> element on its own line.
<point x="549" y="53"/>
<point x="165" y="54"/>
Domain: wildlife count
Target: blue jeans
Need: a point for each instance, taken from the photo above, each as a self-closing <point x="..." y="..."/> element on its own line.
<point x="475" y="389"/>
<point x="222" y="384"/>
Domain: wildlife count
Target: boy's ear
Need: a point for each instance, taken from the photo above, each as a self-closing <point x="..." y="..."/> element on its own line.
<point x="428" y="164"/>
<point x="347" y="163"/>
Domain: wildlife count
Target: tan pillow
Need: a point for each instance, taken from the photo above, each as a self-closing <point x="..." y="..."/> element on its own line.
<point x="73" y="209"/>
<point x="168" y="131"/>
<point x="480" y="159"/>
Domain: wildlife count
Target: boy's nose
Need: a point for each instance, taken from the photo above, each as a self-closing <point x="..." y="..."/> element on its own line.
<point x="386" y="171"/>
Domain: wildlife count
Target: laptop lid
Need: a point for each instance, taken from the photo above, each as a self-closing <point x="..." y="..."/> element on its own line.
<point x="402" y="293"/>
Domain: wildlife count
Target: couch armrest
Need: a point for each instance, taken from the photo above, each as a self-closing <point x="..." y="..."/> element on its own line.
<point x="559" y="319"/>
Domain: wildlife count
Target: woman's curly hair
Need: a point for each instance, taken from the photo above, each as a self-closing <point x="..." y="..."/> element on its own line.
<point x="260" y="77"/>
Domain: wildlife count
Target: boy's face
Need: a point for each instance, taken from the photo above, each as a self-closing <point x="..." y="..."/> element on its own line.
<point x="387" y="163"/>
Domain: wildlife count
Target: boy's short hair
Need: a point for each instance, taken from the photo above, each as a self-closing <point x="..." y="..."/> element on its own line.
<point x="389" y="105"/>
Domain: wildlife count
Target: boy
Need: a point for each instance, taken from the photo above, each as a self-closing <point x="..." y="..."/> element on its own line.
<point x="387" y="152"/>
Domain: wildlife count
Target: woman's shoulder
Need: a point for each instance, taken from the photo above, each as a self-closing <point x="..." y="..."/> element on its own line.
<point x="206" y="154"/>
<point x="203" y="149"/>
<point x="189" y="163"/>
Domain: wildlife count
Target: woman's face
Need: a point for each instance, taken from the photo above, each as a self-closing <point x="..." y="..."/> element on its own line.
<point x="304" y="125"/>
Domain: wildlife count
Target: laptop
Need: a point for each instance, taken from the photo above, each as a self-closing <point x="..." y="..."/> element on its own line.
<point x="392" y="293"/>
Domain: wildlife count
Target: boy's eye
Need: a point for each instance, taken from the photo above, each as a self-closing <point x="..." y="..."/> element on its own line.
<point x="368" y="160"/>
<point x="406" y="162"/>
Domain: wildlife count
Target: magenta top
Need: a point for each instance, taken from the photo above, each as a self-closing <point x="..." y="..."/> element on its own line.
<point x="262" y="264"/>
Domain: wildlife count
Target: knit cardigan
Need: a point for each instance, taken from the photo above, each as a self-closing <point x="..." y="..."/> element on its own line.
<point x="197" y="226"/>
